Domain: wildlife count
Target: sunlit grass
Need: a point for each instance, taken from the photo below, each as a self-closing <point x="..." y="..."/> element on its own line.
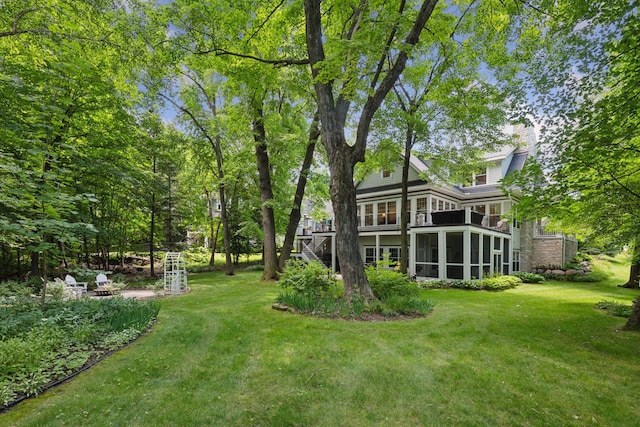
<point x="219" y="355"/>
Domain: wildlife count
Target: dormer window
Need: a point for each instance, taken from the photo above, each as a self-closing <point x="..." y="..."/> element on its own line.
<point x="480" y="178"/>
<point x="477" y="178"/>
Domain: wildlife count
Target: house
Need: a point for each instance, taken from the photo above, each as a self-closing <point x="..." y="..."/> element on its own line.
<point x="455" y="232"/>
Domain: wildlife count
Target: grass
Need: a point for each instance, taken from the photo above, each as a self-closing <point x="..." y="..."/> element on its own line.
<point x="533" y="355"/>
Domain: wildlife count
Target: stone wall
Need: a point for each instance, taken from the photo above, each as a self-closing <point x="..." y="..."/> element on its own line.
<point x="549" y="251"/>
<point x="526" y="246"/>
<point x="570" y="249"/>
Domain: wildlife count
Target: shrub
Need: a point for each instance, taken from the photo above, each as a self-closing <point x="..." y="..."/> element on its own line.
<point x="499" y="283"/>
<point x="615" y="308"/>
<point x="385" y="283"/>
<point x="404" y="305"/>
<point x="11" y="288"/>
<point x="529" y="277"/>
<point x="580" y="257"/>
<point x="595" y="276"/>
<point x="310" y="279"/>
<point x="495" y="283"/>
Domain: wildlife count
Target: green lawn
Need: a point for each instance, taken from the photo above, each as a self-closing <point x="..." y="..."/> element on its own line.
<point x="532" y="356"/>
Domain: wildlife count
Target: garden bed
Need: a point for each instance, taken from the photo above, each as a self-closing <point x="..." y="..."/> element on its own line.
<point x="42" y="346"/>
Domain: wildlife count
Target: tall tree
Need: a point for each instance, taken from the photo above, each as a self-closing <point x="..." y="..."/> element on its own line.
<point x="364" y="40"/>
<point x="586" y="82"/>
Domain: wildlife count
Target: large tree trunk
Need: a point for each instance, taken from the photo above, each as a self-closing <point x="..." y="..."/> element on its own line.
<point x="270" y="254"/>
<point x="633" y="323"/>
<point x="634" y="276"/>
<point x="295" y="215"/>
<point x="343" y="198"/>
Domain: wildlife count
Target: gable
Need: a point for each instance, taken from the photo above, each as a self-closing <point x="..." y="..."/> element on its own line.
<point x="376" y="179"/>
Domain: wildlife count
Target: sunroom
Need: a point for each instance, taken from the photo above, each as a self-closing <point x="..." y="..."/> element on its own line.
<point x="459" y="252"/>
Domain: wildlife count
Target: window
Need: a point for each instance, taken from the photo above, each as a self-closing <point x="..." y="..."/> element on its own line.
<point x="482" y="209"/>
<point x="392" y="253"/>
<point x="516" y="261"/>
<point x="438" y="204"/>
<point x="386" y="173"/>
<point x="495" y="211"/>
<point x="480" y="177"/>
<point x="455" y="255"/>
<point x="368" y="214"/>
<point x="477" y="178"/>
<point x="505" y="257"/>
<point x="370" y="255"/>
<point x="386" y="213"/>
<point x="427" y="255"/>
<point x="421" y="210"/>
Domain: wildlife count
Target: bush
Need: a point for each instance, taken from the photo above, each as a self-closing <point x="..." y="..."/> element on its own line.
<point x="595" y="276"/>
<point x="499" y="283"/>
<point x="580" y="257"/>
<point x="530" y="277"/>
<point x="386" y="283"/>
<point x="615" y="308"/>
<point x="495" y="283"/>
<point x="310" y="279"/>
<point x="404" y="305"/>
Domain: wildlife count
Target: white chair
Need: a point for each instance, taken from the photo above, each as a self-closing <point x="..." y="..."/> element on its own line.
<point x="101" y="280"/>
<point x="70" y="281"/>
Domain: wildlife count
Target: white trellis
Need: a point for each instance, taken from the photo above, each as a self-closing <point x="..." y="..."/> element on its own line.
<point x="175" y="273"/>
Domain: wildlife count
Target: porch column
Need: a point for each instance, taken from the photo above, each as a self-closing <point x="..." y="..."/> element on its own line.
<point x="442" y="255"/>
<point x="377" y="249"/>
<point x="333" y="253"/>
<point x="466" y="251"/>
<point x="412" y="254"/>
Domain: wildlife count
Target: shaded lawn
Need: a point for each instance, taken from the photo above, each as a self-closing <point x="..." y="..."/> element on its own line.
<point x="534" y="355"/>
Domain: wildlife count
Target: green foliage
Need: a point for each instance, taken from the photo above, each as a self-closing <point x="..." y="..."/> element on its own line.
<point x="581" y="257"/>
<point x="39" y="346"/>
<point x="397" y="295"/>
<point x="409" y="305"/>
<point x="594" y="276"/>
<point x="385" y="283"/>
<point x="615" y="308"/>
<point x="499" y="283"/>
<point x="310" y="279"/>
<point x="529" y="277"/>
<point x="496" y="283"/>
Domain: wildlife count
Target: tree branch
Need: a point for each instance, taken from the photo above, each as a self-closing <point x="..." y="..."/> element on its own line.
<point x="275" y="62"/>
<point x="374" y="101"/>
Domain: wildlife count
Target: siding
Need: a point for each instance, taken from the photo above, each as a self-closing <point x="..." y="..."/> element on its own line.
<point x="494" y="173"/>
<point x="375" y="179"/>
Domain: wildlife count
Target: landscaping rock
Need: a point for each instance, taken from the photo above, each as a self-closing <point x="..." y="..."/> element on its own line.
<point x="280" y="307"/>
<point x="558" y="272"/>
<point x="571" y="272"/>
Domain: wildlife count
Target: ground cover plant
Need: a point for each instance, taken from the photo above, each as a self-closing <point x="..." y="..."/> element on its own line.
<point x="539" y="354"/>
<point x="41" y="344"/>
<point x="311" y="288"/>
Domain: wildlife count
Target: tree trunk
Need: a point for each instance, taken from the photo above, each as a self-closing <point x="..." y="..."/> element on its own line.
<point x="634" y="276"/>
<point x="343" y="198"/>
<point x="294" y="216"/>
<point x="404" y="208"/>
<point x="153" y="224"/>
<point x="633" y="323"/>
<point x="270" y="254"/>
<point x="35" y="264"/>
